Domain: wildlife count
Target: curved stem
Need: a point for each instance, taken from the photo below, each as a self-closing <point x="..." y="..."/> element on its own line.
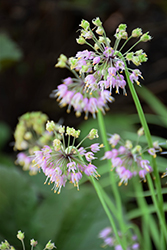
<point x="158" y="203"/>
<point x="112" y="177"/>
<point x="97" y="188"/>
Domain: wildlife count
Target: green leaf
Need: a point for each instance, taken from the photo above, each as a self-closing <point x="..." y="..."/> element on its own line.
<point x="72" y="219"/>
<point x="10" y="52"/>
<point x="154" y="103"/>
<point x="17" y="205"/>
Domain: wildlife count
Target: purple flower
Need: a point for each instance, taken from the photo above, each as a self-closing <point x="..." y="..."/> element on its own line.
<point x="105" y="232"/>
<point x="95" y="147"/>
<point x="126" y="160"/>
<point x="63" y="163"/>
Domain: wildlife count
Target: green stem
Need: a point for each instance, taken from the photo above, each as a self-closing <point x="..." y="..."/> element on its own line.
<point x="112" y="222"/>
<point x="23" y="244"/>
<point x="158" y="203"/>
<point x="132" y="47"/>
<point x="112" y="177"/>
<point x="145" y="218"/>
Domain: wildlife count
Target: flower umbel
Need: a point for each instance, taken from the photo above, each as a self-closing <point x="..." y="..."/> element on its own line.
<point x="128" y="160"/>
<point x="30" y="135"/>
<point x="61" y="163"/>
<point x="110" y="240"/>
<point x="100" y="70"/>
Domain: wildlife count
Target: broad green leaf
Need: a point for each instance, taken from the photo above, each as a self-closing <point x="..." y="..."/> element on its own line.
<point x="72" y="219"/>
<point x="17" y="205"/>
<point x="10" y="52"/>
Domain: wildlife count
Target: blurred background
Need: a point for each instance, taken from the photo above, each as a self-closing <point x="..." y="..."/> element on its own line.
<point x="32" y="36"/>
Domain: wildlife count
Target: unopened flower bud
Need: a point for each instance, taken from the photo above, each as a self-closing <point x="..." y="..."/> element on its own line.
<point x="61" y="129"/>
<point x="140" y="131"/>
<point x="81" y="40"/>
<point x="20" y="235"/>
<point x="136" y="61"/>
<point x="61" y="61"/>
<point x="136" y="149"/>
<point x="5" y="245"/>
<point x="145" y="37"/>
<point x="122" y="27"/>
<point x="33" y="242"/>
<point x="136" y="32"/>
<point x="77" y="133"/>
<point x="50" y="126"/>
<point x="50" y="245"/>
<point x="57" y="144"/>
<point x="129" y="56"/>
<point x="84" y="24"/>
<point x="128" y="144"/>
<point x="97" y="21"/>
<point x="100" y="31"/>
<point x="93" y="134"/>
<point x="28" y="136"/>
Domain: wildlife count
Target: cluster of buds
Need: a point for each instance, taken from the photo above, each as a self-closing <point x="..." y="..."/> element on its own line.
<point x="30" y="135"/>
<point x="20" y="235"/>
<point x="128" y="160"/>
<point x="61" y="163"/>
<point x="100" y="70"/>
<point x="110" y="240"/>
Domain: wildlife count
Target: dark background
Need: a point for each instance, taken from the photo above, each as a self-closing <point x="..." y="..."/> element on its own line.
<point x="43" y="29"/>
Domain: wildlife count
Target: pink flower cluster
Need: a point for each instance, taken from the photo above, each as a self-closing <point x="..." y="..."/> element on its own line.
<point x="26" y="162"/>
<point x="65" y="165"/>
<point x="73" y="93"/>
<point x="127" y="160"/>
<point x="110" y="240"/>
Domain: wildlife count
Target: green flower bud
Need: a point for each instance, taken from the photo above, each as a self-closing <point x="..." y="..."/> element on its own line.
<point x="50" y="126"/>
<point x="61" y="61"/>
<point x="50" y="245"/>
<point x="77" y="133"/>
<point x="128" y="144"/>
<point x="57" y="144"/>
<point x="81" y="40"/>
<point x="129" y="56"/>
<point x="121" y="35"/>
<point x="93" y="134"/>
<point x="137" y="149"/>
<point x="20" y="235"/>
<point x="85" y="68"/>
<point x="96" y="46"/>
<point x="61" y="129"/>
<point x="100" y="31"/>
<point x="97" y="21"/>
<point x="140" y="131"/>
<point x="136" y="32"/>
<point x="143" y="58"/>
<point x="135" y="60"/>
<point x="145" y="37"/>
<point x="73" y="62"/>
<point x="101" y="39"/>
<point x="5" y="245"/>
<point x="86" y="34"/>
<point x="33" y="242"/>
<point x="122" y="27"/>
<point x="84" y="24"/>
<point x="28" y="136"/>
